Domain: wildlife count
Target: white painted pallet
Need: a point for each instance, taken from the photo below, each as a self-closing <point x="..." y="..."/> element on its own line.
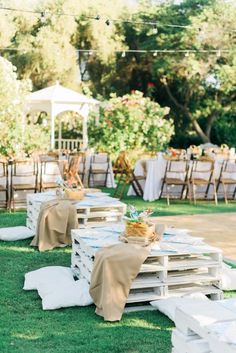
<point x="196" y="328"/>
<point x="191" y="343"/>
<point x="91" y="211"/>
<point x="163" y="274"/>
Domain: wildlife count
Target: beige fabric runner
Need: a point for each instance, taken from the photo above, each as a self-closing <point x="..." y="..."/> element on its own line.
<point x="55" y="221"/>
<point x="114" y="269"/>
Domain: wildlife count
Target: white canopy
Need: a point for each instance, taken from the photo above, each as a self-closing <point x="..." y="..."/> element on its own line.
<point x="57" y="99"/>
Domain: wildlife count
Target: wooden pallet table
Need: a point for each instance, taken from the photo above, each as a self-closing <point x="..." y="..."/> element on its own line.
<point x="198" y="326"/>
<point x="164" y="273"/>
<point x="91" y="211"/>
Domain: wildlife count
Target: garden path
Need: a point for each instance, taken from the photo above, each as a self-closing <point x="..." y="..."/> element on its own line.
<point x="218" y="229"/>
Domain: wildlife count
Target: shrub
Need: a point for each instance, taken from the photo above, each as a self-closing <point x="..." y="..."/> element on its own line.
<point x="131" y="122"/>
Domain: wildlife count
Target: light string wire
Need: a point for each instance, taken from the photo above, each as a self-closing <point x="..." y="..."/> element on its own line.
<point x="108" y="21"/>
<point x="154" y="52"/>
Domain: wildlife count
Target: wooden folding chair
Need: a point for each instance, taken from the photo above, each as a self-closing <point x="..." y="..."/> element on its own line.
<point x="176" y="175"/>
<point x="125" y="173"/>
<point x="24" y="177"/>
<point x="4" y="182"/>
<point x="228" y="178"/>
<point x="82" y="167"/>
<point x="202" y="176"/>
<point x="72" y="173"/>
<point x="99" y="166"/>
<point x="50" y="169"/>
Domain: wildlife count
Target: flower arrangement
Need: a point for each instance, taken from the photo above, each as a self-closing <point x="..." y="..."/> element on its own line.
<point x="69" y="189"/>
<point x="138" y="226"/>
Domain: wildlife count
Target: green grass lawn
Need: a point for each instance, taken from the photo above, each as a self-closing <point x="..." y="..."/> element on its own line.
<point x="26" y="328"/>
<point x="177" y="207"/>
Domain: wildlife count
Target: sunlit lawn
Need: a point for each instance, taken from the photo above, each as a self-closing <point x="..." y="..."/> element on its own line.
<point x="26" y="328"/>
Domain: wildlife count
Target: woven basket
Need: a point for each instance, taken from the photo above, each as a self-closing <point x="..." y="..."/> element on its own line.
<point x="140" y="229"/>
<point x="74" y="194"/>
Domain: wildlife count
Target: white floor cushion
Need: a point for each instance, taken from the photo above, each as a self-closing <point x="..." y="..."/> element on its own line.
<point x="15" y="233"/>
<point x="50" y="274"/>
<point x="63" y="296"/>
<point x="228" y="278"/>
<point x="168" y="306"/>
<point x="228" y="304"/>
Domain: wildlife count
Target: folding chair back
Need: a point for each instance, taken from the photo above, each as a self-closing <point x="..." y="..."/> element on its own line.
<point x="202" y="176"/>
<point x="4" y="183"/>
<point x="49" y="171"/>
<point x="71" y="174"/>
<point x="99" y="169"/>
<point x="24" y="177"/>
<point x="126" y="177"/>
<point x="175" y="179"/>
<point x="228" y="179"/>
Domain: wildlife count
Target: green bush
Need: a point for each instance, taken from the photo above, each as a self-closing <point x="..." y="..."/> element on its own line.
<point x="131" y="122"/>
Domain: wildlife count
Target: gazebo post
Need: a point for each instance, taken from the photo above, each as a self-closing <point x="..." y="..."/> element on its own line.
<point x="85" y="132"/>
<point x="52" y="128"/>
<point x="60" y="134"/>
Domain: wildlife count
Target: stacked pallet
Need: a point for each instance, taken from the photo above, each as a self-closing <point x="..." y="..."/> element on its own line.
<point x="91" y="211"/>
<point x="165" y="273"/>
<point x="199" y="327"/>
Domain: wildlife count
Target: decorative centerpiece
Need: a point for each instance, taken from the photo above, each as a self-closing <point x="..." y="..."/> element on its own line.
<point x="66" y="189"/>
<point x="196" y="151"/>
<point x="224" y="149"/>
<point x="138" y="229"/>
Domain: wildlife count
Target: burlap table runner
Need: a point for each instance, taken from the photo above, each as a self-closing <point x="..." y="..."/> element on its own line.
<point x="55" y="221"/>
<point x="114" y="269"/>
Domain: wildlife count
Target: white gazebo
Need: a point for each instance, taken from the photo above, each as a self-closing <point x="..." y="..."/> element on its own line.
<point x="57" y="99"/>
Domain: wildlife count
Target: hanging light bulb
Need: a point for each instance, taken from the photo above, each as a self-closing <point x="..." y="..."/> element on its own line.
<point x="90" y="53"/>
<point x="155" y="29"/>
<point x="187" y="53"/>
<point x="43" y="17"/>
<point x="123" y="54"/>
<point x="218" y="54"/>
<point x="155" y="53"/>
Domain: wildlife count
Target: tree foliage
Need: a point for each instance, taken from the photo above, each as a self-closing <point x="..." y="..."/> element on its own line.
<point x="199" y="87"/>
<point x="17" y="135"/>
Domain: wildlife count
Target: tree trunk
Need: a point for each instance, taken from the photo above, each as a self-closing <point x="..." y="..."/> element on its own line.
<point x="204" y="136"/>
<point x="210" y="123"/>
<point x="200" y="132"/>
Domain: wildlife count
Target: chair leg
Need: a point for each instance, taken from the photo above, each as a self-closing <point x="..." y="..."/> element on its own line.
<point x="118" y="189"/>
<point x="225" y="193"/>
<point x="182" y="192"/>
<point x="194" y="193"/>
<point x="132" y="183"/>
<point x="234" y="193"/>
<point x="138" y="187"/>
<point x="189" y="192"/>
<point x="167" y="194"/>
<point x="162" y="188"/>
<point x="215" y="194"/>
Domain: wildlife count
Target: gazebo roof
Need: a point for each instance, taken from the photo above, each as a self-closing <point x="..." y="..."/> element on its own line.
<point x="60" y="94"/>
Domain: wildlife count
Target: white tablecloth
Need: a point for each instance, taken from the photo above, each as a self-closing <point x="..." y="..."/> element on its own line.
<point x="155" y="171"/>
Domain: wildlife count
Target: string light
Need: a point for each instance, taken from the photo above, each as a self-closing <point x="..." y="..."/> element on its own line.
<point x="109" y="21"/>
<point x="186" y="52"/>
<point x="155" y="29"/>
